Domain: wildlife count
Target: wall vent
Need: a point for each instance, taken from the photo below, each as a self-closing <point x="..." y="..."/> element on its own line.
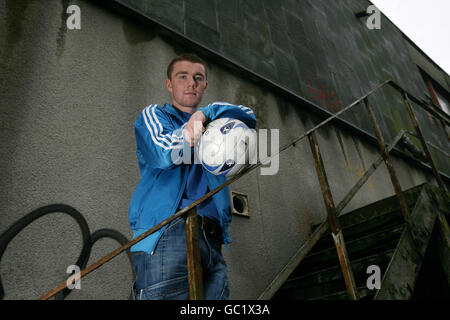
<point x="239" y="204"/>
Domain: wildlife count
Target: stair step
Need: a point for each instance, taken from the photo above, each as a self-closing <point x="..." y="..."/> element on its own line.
<point x="372" y="216"/>
<point x="334" y="272"/>
<point x="363" y="292"/>
<point x="356" y="230"/>
<point x="328" y="281"/>
<point x="371" y="236"/>
<point x="310" y="293"/>
<point x="370" y="244"/>
<point x="380" y="207"/>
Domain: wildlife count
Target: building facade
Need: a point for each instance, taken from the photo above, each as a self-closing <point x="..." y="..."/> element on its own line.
<point x="71" y="90"/>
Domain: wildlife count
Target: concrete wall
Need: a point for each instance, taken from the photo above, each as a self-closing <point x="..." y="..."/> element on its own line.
<point x="68" y="100"/>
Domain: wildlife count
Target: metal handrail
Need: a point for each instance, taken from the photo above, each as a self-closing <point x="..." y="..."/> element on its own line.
<point x="185" y="210"/>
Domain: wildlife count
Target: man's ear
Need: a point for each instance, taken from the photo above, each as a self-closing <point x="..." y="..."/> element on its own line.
<point x="169" y="85"/>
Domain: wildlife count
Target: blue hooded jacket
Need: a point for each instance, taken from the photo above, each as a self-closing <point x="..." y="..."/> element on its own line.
<point x="159" y="150"/>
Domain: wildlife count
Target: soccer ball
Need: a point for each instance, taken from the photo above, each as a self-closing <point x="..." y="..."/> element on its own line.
<point x="226" y="147"/>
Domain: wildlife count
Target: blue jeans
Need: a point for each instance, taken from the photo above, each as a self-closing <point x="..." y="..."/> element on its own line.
<point x="163" y="275"/>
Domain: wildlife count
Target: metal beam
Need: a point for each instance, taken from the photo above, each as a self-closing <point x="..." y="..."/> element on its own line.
<point x="194" y="261"/>
<point x="422" y="140"/>
<point x="400" y="277"/>
<point x="333" y="221"/>
<point x="387" y="161"/>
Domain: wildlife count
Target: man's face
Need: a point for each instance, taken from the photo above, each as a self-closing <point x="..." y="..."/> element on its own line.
<point x="187" y="85"/>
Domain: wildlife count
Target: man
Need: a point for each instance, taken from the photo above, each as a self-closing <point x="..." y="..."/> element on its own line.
<point x="168" y="184"/>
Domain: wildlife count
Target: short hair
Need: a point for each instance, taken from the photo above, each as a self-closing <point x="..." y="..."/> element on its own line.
<point x="191" y="57"/>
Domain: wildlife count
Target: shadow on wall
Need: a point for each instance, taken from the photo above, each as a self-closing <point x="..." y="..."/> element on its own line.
<point x="88" y="238"/>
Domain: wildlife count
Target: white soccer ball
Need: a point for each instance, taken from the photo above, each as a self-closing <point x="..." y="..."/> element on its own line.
<point x="226" y="147"/>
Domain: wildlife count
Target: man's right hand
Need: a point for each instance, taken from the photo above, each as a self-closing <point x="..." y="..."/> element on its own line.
<point x="194" y="128"/>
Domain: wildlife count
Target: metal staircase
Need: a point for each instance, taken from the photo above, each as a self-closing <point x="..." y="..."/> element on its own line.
<point x="373" y="235"/>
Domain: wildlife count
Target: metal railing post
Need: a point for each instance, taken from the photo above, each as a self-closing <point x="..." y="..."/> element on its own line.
<point x="422" y="141"/>
<point x="333" y="221"/>
<point x="194" y="262"/>
<point x="388" y="162"/>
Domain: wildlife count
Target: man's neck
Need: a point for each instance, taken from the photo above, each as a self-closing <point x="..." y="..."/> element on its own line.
<point x="189" y="110"/>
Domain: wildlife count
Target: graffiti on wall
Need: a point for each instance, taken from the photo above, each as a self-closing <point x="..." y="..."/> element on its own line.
<point x="326" y="97"/>
<point x="88" y="238"/>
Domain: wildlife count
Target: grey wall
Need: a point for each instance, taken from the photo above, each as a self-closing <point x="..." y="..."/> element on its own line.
<point x="68" y="100"/>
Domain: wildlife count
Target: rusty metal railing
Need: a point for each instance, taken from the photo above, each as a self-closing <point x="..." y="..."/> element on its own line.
<point x="193" y="253"/>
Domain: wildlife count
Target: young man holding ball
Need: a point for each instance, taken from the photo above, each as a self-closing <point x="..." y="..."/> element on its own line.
<point x="167" y="185"/>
